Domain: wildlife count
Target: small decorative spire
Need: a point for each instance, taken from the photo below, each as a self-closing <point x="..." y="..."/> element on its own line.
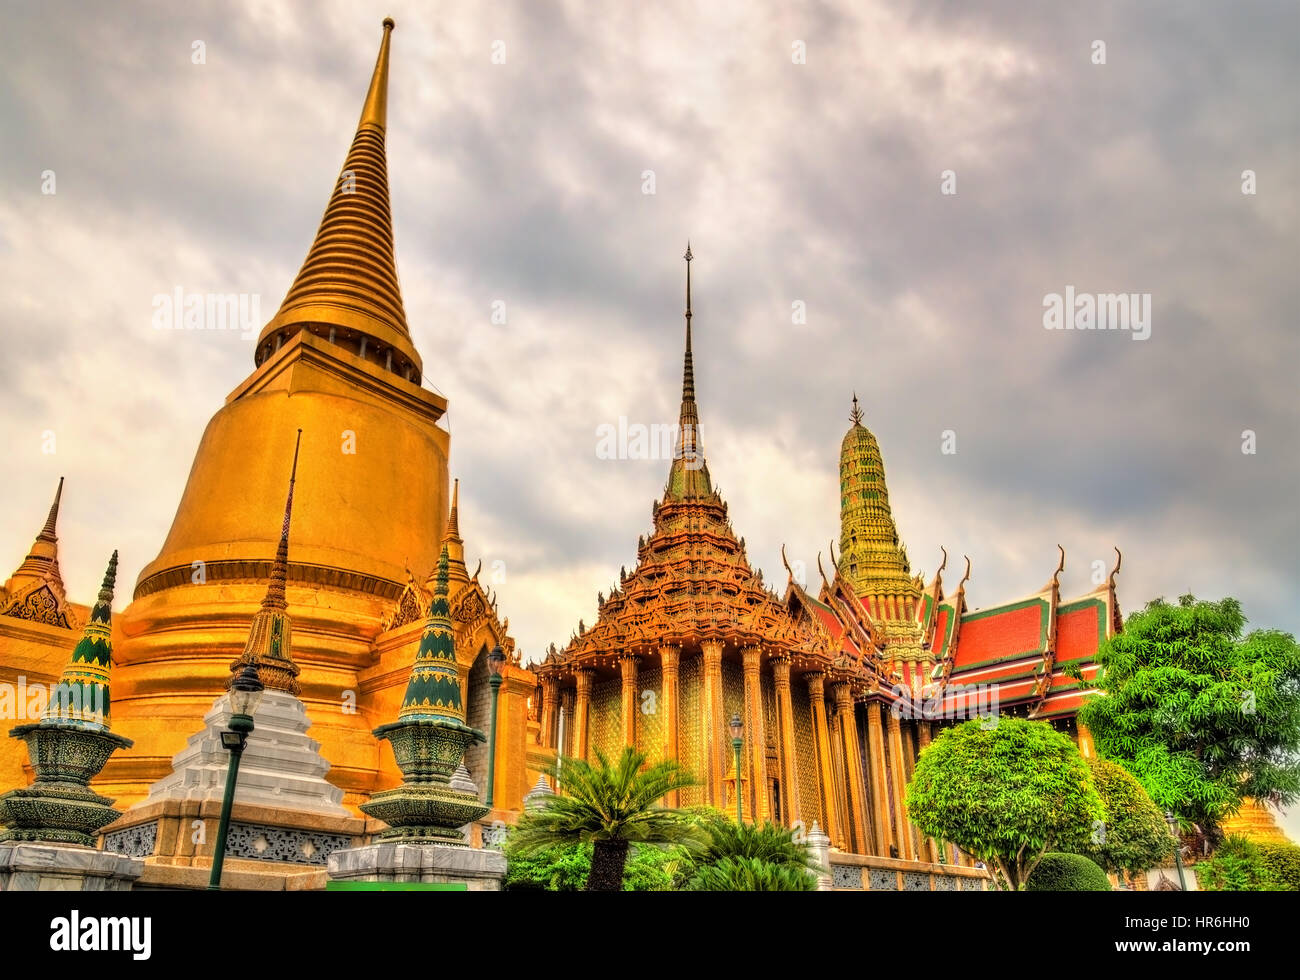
<point x="270" y="637"/>
<point x="453" y="520"/>
<point x="855" y="416"/>
<point x="47" y="532"/>
<point x="433" y="690"/>
<point x="81" y="697"/>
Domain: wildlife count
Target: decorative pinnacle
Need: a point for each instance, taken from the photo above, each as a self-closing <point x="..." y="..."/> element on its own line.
<point x="855" y="416"/>
<point x="453" y="519"/>
<point x="280" y="570"/>
<point x="375" y="111"/>
<point x="47" y="532"/>
<point x="110" y="579"/>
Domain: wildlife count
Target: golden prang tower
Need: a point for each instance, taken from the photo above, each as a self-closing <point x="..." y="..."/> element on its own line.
<point x="336" y="361"/>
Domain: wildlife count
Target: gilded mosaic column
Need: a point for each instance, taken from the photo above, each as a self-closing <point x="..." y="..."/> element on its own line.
<point x="822" y="740"/>
<point x="550" y="710"/>
<point x="567" y="699"/>
<point x="714" y="724"/>
<point x="841" y="793"/>
<point x="903" y="830"/>
<point x="670" y="656"/>
<point x="628" y="663"/>
<point x="855" y="780"/>
<point x="757" y="735"/>
<point x="879" y="793"/>
<point x="790" y="808"/>
<point x="582" y="712"/>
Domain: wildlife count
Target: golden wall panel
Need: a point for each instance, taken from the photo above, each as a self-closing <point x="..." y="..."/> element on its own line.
<point x="806" y="761"/>
<point x="607" y="718"/>
<point x="690" y="737"/>
<point x="650" y="725"/>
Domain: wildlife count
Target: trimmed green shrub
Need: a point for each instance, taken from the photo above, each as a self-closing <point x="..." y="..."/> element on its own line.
<point x="1067" y="873"/>
<point x="1238" y="865"/>
<point x="1282" y="860"/>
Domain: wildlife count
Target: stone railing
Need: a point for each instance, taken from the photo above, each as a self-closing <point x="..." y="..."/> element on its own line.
<point x="861" y="872"/>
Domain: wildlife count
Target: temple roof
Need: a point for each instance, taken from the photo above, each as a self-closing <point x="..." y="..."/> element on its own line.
<point x="349" y="278"/>
<point x="693" y="579"/>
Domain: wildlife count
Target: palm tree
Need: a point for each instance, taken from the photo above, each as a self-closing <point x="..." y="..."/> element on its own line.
<point x="612" y="806"/>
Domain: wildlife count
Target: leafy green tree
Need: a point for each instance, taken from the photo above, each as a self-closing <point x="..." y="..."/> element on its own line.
<point x="1067" y="873"/>
<point x="751" y="874"/>
<point x="610" y="805"/>
<point x="1005" y="793"/>
<point x="1237" y="866"/>
<point x="1134" y="835"/>
<point x="1202" y="716"/>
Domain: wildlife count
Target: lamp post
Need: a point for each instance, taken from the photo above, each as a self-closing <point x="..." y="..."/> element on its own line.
<point x="245" y="694"/>
<point x="496" y="660"/>
<point x="1178" y="847"/>
<point x="737" y="731"/>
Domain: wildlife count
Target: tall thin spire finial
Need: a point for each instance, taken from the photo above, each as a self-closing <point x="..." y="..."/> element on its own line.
<point x="280" y="569"/>
<point x="375" y="110"/>
<point x="855" y="416"/>
<point x="453" y="519"/>
<point x="51" y="522"/>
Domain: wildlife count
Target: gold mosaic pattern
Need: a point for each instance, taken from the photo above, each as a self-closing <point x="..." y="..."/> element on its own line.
<point x="650" y="728"/>
<point x="805" y="746"/>
<point x="690" y="730"/>
<point x="606" y="719"/>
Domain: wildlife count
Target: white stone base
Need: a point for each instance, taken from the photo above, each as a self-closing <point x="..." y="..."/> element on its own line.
<point x="281" y="766"/>
<point x="481" y="870"/>
<point x="35" y="867"/>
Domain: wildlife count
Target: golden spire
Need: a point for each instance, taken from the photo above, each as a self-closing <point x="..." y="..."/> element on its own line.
<point x="452" y="543"/>
<point x="269" y="644"/>
<point x="689" y="475"/>
<point x="42" y="562"/>
<point x="855" y="416"/>
<point x="453" y="520"/>
<point x="347" y="289"/>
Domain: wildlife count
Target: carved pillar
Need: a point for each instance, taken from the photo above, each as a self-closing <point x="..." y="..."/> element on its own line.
<point x="582" y="712"/>
<point x="714" y="725"/>
<point x="903" y="828"/>
<point x="1086" y="747"/>
<point x="568" y="698"/>
<point x="879" y="791"/>
<point x="822" y="739"/>
<point x="922" y="742"/>
<point x="756" y="732"/>
<point x="855" y="780"/>
<point x="670" y="656"/>
<point x="628" y="663"/>
<point x="550" y="710"/>
<point x="790" y="808"/>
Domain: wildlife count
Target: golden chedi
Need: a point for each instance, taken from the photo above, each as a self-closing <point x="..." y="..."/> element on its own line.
<point x="337" y="362"/>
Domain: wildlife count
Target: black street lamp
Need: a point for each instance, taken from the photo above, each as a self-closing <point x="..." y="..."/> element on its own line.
<point x="1172" y="821"/>
<point x="496" y="660"/>
<point x="737" y="740"/>
<point x="245" y="694"/>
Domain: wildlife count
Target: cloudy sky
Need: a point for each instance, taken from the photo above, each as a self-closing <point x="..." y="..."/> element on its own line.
<point x="815" y="183"/>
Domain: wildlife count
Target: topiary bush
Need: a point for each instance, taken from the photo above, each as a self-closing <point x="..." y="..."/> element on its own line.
<point x="1067" y="873"/>
<point x="1282" y="860"/>
<point x="565" y="868"/>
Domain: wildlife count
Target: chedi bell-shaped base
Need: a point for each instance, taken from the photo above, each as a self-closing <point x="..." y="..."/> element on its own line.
<point x="426" y="808"/>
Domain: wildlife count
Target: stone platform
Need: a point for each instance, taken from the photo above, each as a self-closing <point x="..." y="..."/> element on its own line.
<point x="479" y="870"/>
<point x="31" y="866"/>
